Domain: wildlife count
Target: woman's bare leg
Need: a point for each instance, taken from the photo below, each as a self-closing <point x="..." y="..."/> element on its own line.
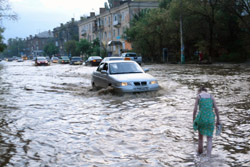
<point x="209" y="145"/>
<point x="200" y="144"/>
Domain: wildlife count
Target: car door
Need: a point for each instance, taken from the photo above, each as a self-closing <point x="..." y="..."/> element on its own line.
<point x="104" y="76"/>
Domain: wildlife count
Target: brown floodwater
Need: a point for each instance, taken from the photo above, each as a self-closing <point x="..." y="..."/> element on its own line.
<point x="50" y="116"/>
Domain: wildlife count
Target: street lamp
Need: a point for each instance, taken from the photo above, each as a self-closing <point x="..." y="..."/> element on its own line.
<point x="181" y="35"/>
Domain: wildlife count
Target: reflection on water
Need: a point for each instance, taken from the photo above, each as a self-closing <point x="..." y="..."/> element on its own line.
<point x="50" y="116"/>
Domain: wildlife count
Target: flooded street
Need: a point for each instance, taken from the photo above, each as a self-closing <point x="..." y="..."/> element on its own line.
<point x="50" y="117"/>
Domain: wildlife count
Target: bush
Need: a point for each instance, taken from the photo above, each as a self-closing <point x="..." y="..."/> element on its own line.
<point x="233" y="57"/>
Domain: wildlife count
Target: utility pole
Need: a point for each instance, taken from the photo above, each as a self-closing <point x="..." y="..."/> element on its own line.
<point x="181" y="35"/>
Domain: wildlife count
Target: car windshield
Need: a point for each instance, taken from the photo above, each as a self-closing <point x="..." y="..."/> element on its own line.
<point x="65" y="57"/>
<point x="131" y="55"/>
<point x="41" y="58"/>
<point x="116" y="58"/>
<point x="55" y="58"/>
<point x="76" y="58"/>
<point x="94" y="57"/>
<point x="124" y="68"/>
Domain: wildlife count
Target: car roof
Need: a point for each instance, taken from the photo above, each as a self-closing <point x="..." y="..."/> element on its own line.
<point x="115" y="57"/>
<point x="95" y="57"/>
<point x="119" y="61"/>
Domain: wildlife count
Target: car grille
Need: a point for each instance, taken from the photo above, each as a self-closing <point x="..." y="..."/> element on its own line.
<point x="144" y="83"/>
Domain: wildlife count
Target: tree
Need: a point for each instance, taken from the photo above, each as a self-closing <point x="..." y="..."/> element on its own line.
<point x="96" y="47"/>
<point x="2" y="45"/>
<point x="5" y="13"/>
<point x="14" y="47"/>
<point x="51" y="49"/>
<point x="71" y="49"/>
<point x="84" y="47"/>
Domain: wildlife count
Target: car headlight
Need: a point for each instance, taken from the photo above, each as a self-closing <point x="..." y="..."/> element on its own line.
<point x="124" y="84"/>
<point x="153" y="82"/>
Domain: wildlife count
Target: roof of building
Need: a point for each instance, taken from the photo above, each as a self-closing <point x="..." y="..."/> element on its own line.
<point x="45" y="34"/>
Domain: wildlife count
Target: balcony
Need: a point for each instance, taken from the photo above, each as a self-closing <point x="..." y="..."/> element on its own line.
<point x="116" y="23"/>
<point x="83" y="32"/>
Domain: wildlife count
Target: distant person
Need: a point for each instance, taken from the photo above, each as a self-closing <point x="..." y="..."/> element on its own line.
<point x="205" y="119"/>
<point x="200" y="56"/>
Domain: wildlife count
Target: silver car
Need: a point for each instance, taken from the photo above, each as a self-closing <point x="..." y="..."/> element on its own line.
<point x="123" y="76"/>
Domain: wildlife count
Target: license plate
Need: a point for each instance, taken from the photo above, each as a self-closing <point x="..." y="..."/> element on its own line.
<point x="141" y="88"/>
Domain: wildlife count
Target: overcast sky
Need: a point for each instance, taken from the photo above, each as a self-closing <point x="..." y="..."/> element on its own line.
<point x="36" y="16"/>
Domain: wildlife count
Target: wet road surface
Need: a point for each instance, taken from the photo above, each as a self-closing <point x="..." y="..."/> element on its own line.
<point x="50" y="116"/>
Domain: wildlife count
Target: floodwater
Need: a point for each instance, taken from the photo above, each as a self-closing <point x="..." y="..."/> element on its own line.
<point x="50" y="117"/>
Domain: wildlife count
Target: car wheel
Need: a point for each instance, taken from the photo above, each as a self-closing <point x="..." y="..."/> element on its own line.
<point x="94" y="86"/>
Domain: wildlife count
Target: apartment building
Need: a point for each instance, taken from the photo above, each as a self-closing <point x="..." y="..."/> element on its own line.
<point x="64" y="33"/>
<point x="110" y="24"/>
<point x="36" y="44"/>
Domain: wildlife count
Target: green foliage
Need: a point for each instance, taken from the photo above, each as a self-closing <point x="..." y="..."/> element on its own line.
<point x="165" y="4"/>
<point x="50" y="49"/>
<point x="217" y="28"/>
<point x="71" y="48"/>
<point x="15" y="47"/>
<point x="2" y="45"/>
<point x="84" y="47"/>
<point x="233" y="57"/>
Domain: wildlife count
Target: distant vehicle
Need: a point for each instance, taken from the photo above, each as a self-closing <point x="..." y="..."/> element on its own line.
<point x="132" y="56"/>
<point x="41" y="61"/>
<point x="112" y="59"/>
<point x="124" y="76"/>
<point x="10" y="59"/>
<point x="54" y="59"/>
<point x="24" y="57"/>
<point x="19" y="60"/>
<point x="48" y="58"/>
<point x="64" y="60"/>
<point x="93" y="61"/>
<point x="76" y="61"/>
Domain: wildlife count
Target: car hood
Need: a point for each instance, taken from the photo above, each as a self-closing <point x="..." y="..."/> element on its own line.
<point x="132" y="77"/>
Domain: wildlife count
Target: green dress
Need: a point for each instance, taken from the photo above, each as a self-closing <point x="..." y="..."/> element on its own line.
<point x="204" y="121"/>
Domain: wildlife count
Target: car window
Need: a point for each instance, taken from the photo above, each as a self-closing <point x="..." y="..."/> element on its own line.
<point x="124" y="68"/>
<point x="76" y="58"/>
<point x="100" y="67"/>
<point x="41" y="58"/>
<point x="105" y="67"/>
<point x="130" y="55"/>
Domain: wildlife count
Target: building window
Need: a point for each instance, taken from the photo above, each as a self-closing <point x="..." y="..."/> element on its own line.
<point x="113" y="33"/>
<point x="109" y="35"/>
<point x="122" y="16"/>
<point x="118" y="32"/>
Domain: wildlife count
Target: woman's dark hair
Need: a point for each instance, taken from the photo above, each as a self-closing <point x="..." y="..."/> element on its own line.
<point x="202" y="88"/>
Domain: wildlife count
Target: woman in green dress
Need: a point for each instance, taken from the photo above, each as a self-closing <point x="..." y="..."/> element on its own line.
<point x="205" y="119"/>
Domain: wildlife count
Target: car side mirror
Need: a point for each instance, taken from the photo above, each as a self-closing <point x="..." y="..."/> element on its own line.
<point x="104" y="71"/>
<point x="146" y="70"/>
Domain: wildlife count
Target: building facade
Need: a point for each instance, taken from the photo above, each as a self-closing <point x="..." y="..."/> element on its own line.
<point x="110" y="25"/>
<point x="35" y="44"/>
<point x="65" y="33"/>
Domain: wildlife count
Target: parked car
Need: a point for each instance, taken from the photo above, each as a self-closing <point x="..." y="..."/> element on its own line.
<point x="132" y="56"/>
<point x="48" y="58"/>
<point x="10" y="59"/>
<point x="112" y="58"/>
<point x="76" y="61"/>
<point x="40" y="60"/>
<point x="124" y="76"/>
<point x="93" y="61"/>
<point x="19" y="60"/>
<point x="54" y="59"/>
<point x="64" y="60"/>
